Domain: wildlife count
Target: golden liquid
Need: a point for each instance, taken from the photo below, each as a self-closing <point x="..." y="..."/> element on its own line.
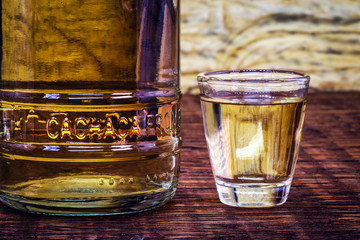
<point x="85" y="152"/>
<point x="253" y="143"/>
<point x="90" y="105"/>
<point x="92" y="157"/>
<point x="88" y="44"/>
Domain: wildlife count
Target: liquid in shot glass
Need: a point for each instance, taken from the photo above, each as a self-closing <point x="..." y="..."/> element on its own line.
<point x="253" y="123"/>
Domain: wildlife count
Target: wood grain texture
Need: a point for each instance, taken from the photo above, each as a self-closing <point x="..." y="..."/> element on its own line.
<point x="68" y="40"/>
<point x="89" y="41"/>
<point x="321" y="39"/>
<point x="324" y="201"/>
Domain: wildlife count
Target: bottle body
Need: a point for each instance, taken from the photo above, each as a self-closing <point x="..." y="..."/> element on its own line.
<point x="90" y="116"/>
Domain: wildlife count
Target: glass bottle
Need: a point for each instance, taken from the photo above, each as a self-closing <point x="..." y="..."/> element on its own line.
<point x="90" y="116"/>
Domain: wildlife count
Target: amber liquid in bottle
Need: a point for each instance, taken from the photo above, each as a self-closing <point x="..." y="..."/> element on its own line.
<point x="89" y="105"/>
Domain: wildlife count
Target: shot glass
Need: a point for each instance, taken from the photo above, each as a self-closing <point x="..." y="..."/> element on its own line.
<point x="253" y="123"/>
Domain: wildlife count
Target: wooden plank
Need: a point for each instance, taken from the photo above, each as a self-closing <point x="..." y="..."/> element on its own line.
<point x="324" y="201"/>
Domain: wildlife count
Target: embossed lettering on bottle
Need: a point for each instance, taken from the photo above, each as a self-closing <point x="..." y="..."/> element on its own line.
<point x="119" y="127"/>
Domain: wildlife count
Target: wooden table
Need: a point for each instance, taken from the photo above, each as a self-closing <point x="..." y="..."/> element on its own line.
<point x="324" y="201"/>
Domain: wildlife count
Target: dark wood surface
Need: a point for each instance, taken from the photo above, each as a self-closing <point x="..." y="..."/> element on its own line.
<point x="324" y="201"/>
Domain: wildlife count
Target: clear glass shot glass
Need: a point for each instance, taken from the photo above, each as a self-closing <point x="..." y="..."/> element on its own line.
<point x="253" y="123"/>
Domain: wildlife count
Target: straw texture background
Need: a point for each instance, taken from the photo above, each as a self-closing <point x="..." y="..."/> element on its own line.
<point x="321" y="38"/>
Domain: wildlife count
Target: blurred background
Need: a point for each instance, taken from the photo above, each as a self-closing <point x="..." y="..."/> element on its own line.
<point x="319" y="37"/>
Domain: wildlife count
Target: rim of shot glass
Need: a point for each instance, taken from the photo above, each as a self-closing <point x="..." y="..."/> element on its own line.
<point x="260" y="86"/>
<point x="264" y="75"/>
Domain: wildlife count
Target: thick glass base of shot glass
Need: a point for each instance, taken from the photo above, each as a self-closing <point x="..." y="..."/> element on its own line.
<point x="253" y="195"/>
